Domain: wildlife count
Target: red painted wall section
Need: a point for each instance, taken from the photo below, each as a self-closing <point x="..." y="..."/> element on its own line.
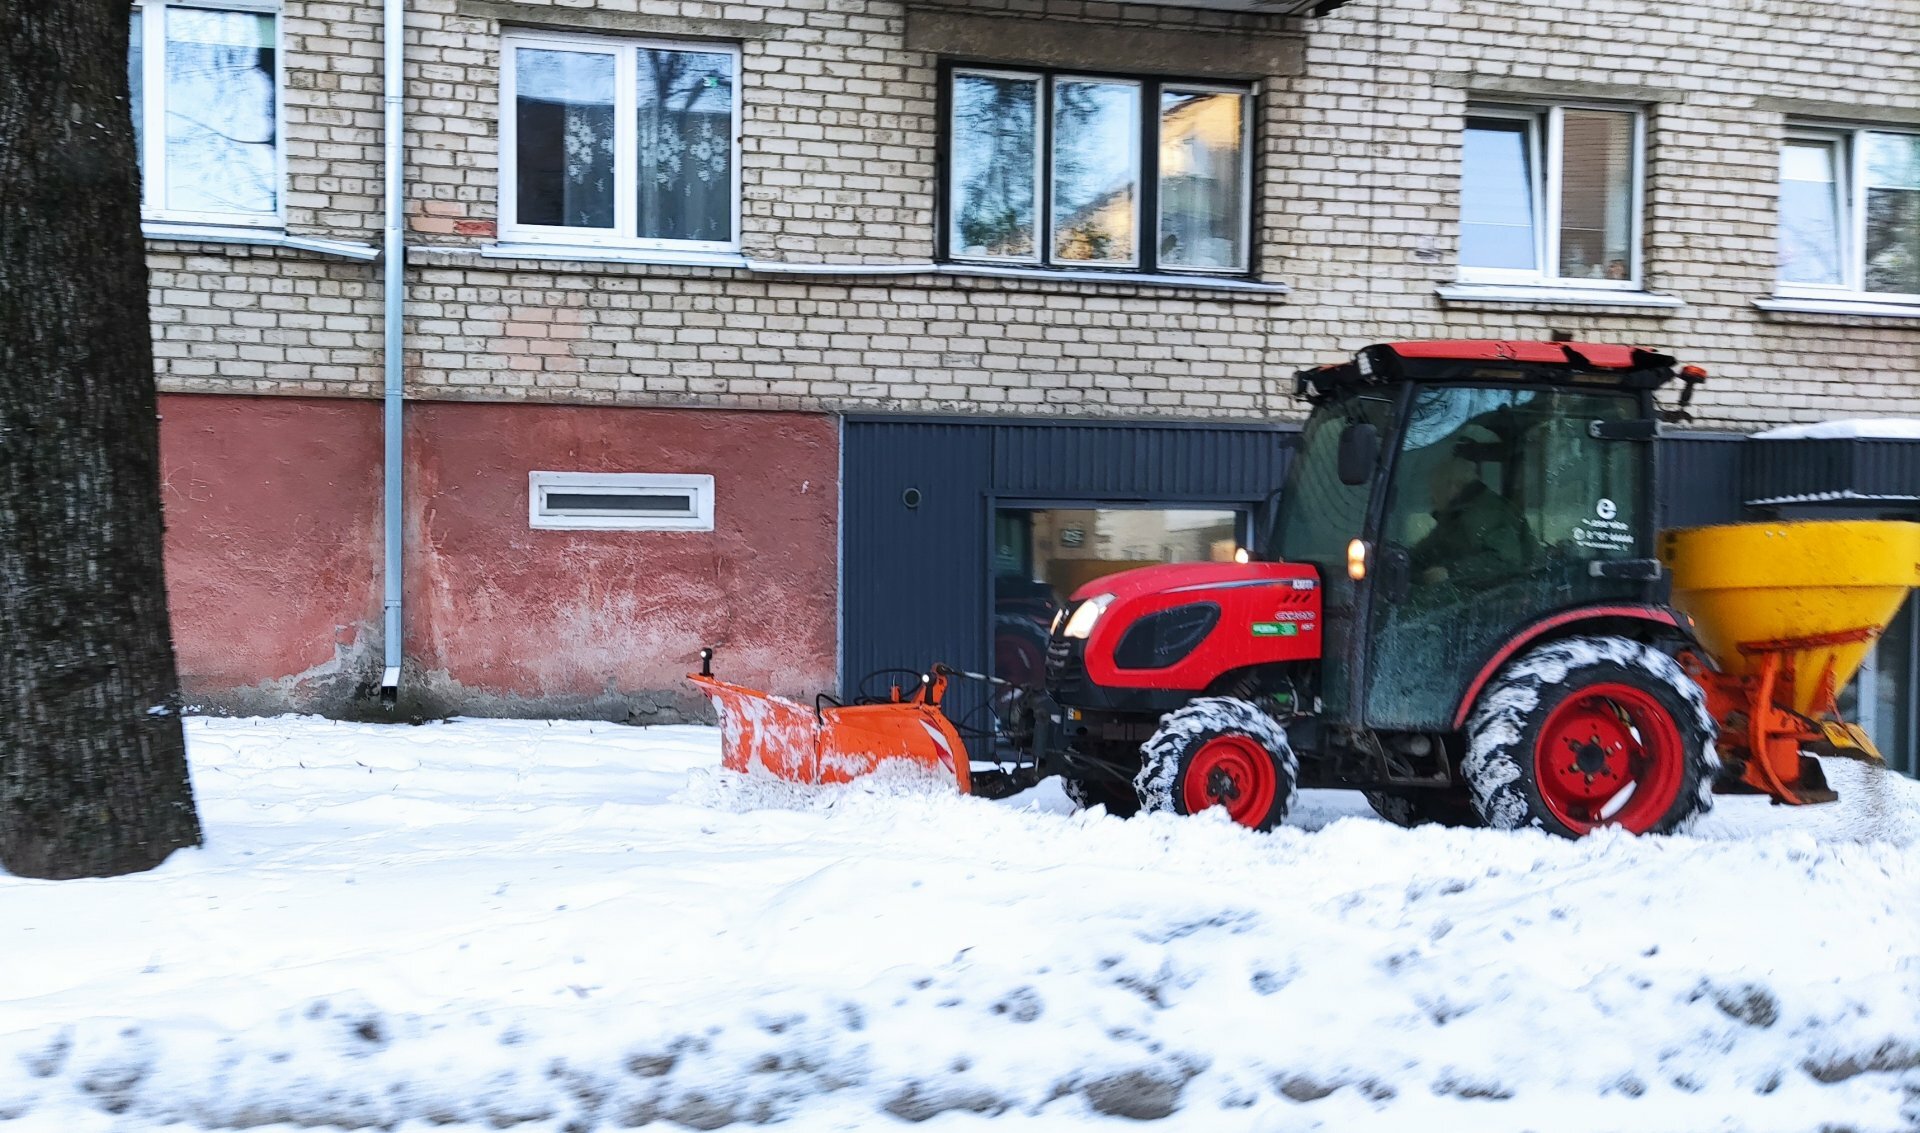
<point x="574" y="619"/>
<point x="273" y="539"/>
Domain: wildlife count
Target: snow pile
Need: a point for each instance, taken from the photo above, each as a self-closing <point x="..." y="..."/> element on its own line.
<point x="1850" y="428"/>
<point x="547" y="927"/>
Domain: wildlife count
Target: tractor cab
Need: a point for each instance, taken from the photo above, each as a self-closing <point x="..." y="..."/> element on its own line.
<point x="1455" y="495"/>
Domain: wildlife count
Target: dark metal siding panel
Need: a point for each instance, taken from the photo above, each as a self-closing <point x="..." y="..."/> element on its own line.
<point x="1887" y="468"/>
<point x="1140" y="462"/>
<point x="1778" y="469"/>
<point x="1700" y="477"/>
<point x="1807" y="469"/>
<point x="914" y="579"/>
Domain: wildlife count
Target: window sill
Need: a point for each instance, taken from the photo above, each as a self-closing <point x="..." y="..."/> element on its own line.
<point x="594" y="253"/>
<point x="604" y="255"/>
<point x="1531" y="296"/>
<point x="1191" y="282"/>
<point x="1804" y="305"/>
<point x="259" y="237"/>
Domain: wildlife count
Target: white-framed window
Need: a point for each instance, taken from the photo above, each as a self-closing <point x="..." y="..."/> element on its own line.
<point x="1068" y="170"/>
<point x="205" y="76"/>
<point x="619" y="501"/>
<point x="620" y="142"/>
<point x="1850" y="212"/>
<point x="1551" y="195"/>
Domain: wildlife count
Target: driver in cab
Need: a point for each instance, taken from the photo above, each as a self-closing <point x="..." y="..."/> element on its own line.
<point x="1477" y="533"/>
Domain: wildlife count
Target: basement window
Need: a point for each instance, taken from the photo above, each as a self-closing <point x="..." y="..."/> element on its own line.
<point x="619" y="501"/>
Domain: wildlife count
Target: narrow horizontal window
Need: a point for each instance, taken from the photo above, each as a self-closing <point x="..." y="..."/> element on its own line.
<point x="624" y="501"/>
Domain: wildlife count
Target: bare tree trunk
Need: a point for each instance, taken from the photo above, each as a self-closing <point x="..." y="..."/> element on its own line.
<point x="93" y="770"/>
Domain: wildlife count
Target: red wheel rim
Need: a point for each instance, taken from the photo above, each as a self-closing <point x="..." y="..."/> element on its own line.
<point x="1609" y="755"/>
<point x="1233" y="772"/>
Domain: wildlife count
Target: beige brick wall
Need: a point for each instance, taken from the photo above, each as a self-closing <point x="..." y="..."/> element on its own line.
<point x="1357" y="212"/>
<point x="1384" y="91"/>
<point x="234" y="319"/>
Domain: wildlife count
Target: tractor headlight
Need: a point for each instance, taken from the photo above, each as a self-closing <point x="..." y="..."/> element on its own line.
<point x="1059" y="615"/>
<point x="1080" y="625"/>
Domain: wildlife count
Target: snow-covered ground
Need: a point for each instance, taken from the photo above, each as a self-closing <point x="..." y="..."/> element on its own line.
<point x="570" y="926"/>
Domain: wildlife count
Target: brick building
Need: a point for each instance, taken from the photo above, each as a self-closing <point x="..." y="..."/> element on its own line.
<point x="693" y="256"/>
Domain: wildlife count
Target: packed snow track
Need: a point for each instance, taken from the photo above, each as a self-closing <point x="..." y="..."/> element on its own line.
<point x="568" y="926"/>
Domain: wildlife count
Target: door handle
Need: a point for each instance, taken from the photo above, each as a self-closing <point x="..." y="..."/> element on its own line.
<point x="1395" y="572"/>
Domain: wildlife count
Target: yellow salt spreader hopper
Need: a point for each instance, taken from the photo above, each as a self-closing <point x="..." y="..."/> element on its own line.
<point x="1786" y="613"/>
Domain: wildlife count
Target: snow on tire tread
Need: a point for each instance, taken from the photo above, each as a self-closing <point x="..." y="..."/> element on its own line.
<point x="1499" y="720"/>
<point x="1160" y="755"/>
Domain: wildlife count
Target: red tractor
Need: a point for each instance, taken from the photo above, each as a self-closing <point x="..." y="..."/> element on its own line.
<point x="1457" y="610"/>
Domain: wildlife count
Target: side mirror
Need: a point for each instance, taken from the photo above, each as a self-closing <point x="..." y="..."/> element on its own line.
<point x="1359" y="452"/>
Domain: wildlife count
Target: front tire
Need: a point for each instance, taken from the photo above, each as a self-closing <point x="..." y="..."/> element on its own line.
<point x="1219" y="751"/>
<point x="1591" y="732"/>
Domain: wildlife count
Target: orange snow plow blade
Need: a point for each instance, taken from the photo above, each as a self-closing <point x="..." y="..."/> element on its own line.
<point x="834" y="743"/>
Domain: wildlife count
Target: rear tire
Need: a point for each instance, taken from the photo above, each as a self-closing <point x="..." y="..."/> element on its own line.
<point x="1590" y="732"/>
<point x="1451" y="808"/>
<point x="1219" y="751"/>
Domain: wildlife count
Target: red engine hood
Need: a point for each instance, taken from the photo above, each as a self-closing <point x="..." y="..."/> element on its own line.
<point x="1142" y="581"/>
<point x="1269" y="614"/>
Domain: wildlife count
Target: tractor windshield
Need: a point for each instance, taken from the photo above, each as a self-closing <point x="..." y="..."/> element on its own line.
<point x="1318" y="514"/>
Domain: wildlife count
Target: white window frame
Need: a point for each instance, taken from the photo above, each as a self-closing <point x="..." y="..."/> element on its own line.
<point x="1043" y="259"/>
<point x="1545" y="159"/>
<point x="626" y="206"/>
<point x="543" y="517"/>
<point x="1851" y="190"/>
<point x="153" y="125"/>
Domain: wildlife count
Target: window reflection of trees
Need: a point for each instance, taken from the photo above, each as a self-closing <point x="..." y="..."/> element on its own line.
<point x="220" y="113"/>
<point x="1095" y="138"/>
<point x="994" y="119"/>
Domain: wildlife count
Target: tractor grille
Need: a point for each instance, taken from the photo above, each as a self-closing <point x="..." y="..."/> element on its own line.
<point x="1066" y="664"/>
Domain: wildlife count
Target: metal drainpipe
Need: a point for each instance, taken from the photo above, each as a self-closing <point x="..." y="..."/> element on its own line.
<point x="395" y="259"/>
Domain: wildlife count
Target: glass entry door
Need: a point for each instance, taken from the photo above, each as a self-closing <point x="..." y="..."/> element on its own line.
<point x="1042" y="555"/>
